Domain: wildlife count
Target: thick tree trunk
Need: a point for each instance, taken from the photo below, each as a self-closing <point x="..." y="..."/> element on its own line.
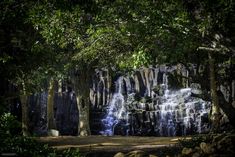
<point x="82" y="90"/>
<point x="24" y="106"/>
<point x="50" y="105"/>
<point x="227" y="108"/>
<point x="215" y="111"/>
<point x="83" y="107"/>
<point x="227" y="105"/>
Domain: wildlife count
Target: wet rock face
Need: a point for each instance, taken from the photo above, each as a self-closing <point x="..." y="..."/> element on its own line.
<point x="37" y="113"/>
<point x="101" y="89"/>
<point x="146" y="103"/>
<point x="65" y="112"/>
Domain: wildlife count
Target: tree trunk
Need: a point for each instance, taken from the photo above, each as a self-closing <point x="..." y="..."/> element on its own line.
<point x="215" y="111"/>
<point x="227" y="105"/>
<point x="50" y="106"/>
<point x="24" y="106"/>
<point x="227" y="108"/>
<point x="84" y="110"/>
<point x="82" y="91"/>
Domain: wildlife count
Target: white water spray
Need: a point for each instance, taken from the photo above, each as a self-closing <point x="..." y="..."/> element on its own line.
<point x="116" y="110"/>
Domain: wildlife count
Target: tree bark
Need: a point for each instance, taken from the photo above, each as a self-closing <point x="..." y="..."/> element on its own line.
<point x="215" y="111"/>
<point x="227" y="108"/>
<point x="50" y="106"/>
<point x="84" y="110"/>
<point x="227" y="105"/>
<point x="24" y="106"/>
<point x="82" y="91"/>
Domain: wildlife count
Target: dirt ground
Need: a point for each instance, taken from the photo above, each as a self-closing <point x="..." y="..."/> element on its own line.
<point x="109" y="144"/>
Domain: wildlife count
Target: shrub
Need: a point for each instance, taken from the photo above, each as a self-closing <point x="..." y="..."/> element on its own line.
<point x="195" y="140"/>
<point x="9" y="126"/>
<point x="28" y="147"/>
<point x="71" y="152"/>
<point x="13" y="142"/>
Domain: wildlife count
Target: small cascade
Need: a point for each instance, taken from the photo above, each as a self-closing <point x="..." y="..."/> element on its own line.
<point x="181" y="114"/>
<point x="116" y="110"/>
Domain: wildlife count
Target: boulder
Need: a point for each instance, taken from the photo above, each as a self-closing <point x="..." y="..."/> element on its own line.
<point x="187" y="151"/>
<point x="196" y="88"/>
<point x="120" y="154"/>
<point x="137" y="153"/>
<point x="53" y="132"/>
<point x="207" y="148"/>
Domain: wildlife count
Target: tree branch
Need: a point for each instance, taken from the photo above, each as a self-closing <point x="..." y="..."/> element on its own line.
<point x="209" y="49"/>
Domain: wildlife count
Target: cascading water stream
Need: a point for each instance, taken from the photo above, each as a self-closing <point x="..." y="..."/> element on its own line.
<point x="116" y="110"/>
<point x="178" y="110"/>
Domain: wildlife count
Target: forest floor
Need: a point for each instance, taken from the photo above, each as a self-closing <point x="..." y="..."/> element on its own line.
<point x="110" y="144"/>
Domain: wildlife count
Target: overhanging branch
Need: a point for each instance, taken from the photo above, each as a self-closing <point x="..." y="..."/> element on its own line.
<point x="209" y="49"/>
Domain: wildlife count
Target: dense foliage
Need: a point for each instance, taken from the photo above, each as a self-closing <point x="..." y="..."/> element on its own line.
<point x="13" y="143"/>
<point x="54" y="36"/>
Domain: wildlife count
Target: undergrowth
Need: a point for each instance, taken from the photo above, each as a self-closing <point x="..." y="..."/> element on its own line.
<point x="12" y="142"/>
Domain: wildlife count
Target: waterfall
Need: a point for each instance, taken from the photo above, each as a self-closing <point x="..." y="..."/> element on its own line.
<point x="148" y="106"/>
<point x="116" y="109"/>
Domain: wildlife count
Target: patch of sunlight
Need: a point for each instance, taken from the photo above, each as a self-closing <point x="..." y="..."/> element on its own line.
<point x="111" y="144"/>
<point x="177" y="139"/>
